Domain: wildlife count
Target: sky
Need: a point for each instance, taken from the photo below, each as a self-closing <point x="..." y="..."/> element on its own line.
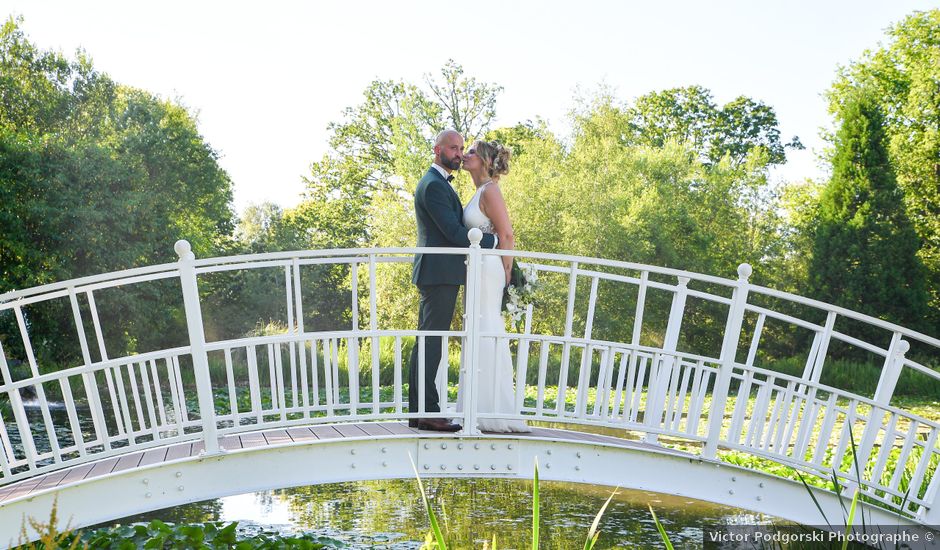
<point x="266" y="78"/>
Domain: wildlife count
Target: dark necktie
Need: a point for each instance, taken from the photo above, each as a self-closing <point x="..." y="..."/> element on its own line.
<point x="450" y="178"/>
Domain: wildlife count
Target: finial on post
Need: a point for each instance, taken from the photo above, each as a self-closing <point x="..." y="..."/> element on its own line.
<point x="184" y="250"/>
<point x="903" y="347"/>
<point x="744" y="272"/>
<point x="475" y="236"/>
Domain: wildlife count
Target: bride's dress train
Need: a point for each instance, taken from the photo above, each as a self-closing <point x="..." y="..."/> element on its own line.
<point x="496" y="376"/>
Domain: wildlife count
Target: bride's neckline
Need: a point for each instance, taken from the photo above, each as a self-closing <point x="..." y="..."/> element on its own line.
<point x="484" y="184"/>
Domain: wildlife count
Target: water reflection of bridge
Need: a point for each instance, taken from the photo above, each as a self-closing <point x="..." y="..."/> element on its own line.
<point x="156" y="429"/>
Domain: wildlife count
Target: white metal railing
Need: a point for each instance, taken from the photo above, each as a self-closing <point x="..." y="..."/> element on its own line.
<point x="643" y="377"/>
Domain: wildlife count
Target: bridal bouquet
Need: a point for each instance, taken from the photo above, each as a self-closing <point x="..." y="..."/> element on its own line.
<point x="520" y="292"/>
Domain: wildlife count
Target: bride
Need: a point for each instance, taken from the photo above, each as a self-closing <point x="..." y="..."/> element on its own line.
<point x="486" y="162"/>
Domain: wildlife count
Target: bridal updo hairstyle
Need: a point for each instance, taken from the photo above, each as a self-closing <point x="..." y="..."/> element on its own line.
<point x="495" y="157"/>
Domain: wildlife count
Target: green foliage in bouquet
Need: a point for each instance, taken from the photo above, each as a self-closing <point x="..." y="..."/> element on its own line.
<point x="520" y="292"/>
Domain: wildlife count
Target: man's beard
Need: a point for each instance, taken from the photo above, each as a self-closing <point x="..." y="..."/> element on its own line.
<point x="452" y="163"/>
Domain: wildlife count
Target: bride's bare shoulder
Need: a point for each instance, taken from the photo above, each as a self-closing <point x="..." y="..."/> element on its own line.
<point x="491" y="194"/>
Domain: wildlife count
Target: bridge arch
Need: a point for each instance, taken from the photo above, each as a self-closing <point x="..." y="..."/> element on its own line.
<point x="613" y="463"/>
<point x="712" y="400"/>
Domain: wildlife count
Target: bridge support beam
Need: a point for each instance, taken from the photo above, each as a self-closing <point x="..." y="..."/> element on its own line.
<point x="639" y="467"/>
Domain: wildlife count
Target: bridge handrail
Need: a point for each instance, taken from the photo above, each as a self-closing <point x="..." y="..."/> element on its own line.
<point x="169" y="269"/>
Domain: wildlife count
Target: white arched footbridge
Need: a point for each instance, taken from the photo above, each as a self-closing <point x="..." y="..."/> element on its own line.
<point x="114" y="436"/>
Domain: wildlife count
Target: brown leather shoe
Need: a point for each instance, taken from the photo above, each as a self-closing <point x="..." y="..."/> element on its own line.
<point x="438" y="425"/>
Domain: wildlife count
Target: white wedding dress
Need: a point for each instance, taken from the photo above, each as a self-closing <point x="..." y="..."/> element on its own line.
<point x="495" y="378"/>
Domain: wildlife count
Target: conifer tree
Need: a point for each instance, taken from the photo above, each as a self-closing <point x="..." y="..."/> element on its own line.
<point x="865" y="247"/>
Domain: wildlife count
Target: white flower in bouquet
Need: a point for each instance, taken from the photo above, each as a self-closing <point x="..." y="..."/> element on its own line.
<point x="521" y="296"/>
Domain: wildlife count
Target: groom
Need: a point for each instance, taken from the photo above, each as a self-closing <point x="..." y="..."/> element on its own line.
<point x="438" y="276"/>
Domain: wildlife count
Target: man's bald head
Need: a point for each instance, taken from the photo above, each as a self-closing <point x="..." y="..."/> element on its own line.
<point x="445" y="134"/>
<point x="448" y="149"/>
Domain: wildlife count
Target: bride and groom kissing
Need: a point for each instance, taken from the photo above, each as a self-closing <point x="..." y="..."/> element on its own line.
<point x="444" y="222"/>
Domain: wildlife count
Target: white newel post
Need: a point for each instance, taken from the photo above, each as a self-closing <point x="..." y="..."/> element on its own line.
<point x="890" y="372"/>
<point x="729" y="348"/>
<point x="472" y="326"/>
<point x="656" y="392"/>
<point x="197" y="344"/>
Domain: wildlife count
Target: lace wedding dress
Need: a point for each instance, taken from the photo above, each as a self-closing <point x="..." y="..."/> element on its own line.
<point x="495" y="377"/>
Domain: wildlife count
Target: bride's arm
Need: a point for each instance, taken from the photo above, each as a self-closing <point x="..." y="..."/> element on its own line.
<point x="494" y="207"/>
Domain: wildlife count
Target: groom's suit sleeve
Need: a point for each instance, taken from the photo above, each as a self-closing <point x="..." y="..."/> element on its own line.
<point x="438" y="201"/>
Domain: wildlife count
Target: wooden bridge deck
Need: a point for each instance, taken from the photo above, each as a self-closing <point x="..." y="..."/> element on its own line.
<point x="286" y="436"/>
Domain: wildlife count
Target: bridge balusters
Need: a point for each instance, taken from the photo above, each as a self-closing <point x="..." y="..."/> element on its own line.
<point x="807" y="424"/>
<point x="587" y="354"/>
<point x="641" y="380"/>
<point x="315" y="373"/>
<point x="759" y="413"/>
<point x="373" y="327"/>
<point x="122" y="405"/>
<point x="658" y="388"/>
<point x="40" y="391"/>
<point x="700" y="387"/>
<point x="149" y="400"/>
<point x="928" y="453"/>
<point x="849" y="416"/>
<point x="352" y="347"/>
<point x="566" y="349"/>
<point x="6" y="449"/>
<point x="791" y="415"/>
<point x="292" y="329"/>
<point x="931" y="515"/>
<point x="420" y="341"/>
<point x="910" y="438"/>
<point x="299" y="329"/>
<point x="604" y="380"/>
<point x="825" y="432"/>
<point x="276" y="369"/>
<point x="544" y="347"/>
<point x="176" y="393"/>
<point x="774" y="431"/>
<point x="821" y="350"/>
<point x="619" y="399"/>
<point x="91" y="389"/>
<point x="132" y="399"/>
<point x="331" y="376"/>
<point x="755" y="340"/>
<point x="153" y="381"/>
<point x="673" y="373"/>
<point x="230" y="383"/>
<point x="442" y="372"/>
<point x="398" y="377"/>
<point x="522" y="359"/>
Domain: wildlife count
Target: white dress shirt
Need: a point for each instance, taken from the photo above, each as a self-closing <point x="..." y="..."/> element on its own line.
<point x="444" y="174"/>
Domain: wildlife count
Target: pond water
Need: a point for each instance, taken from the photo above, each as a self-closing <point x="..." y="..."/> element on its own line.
<point x="389" y="514"/>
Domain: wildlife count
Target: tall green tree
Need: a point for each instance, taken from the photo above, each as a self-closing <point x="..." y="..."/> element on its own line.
<point x="96" y="177"/>
<point x="902" y="76"/>
<point x="865" y="247"/>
